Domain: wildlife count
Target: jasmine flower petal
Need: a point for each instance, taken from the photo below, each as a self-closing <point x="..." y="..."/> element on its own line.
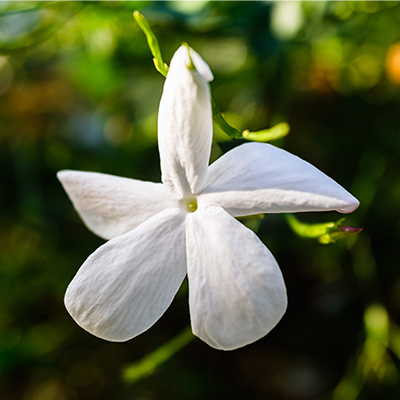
<point x="236" y="290"/>
<point x="125" y="286"/>
<point x="185" y="124"/>
<point x="260" y="178"/>
<point x="111" y="206"/>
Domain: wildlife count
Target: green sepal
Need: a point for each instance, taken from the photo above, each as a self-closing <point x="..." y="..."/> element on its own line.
<point x="325" y="233"/>
<point x="266" y="135"/>
<point x="152" y="41"/>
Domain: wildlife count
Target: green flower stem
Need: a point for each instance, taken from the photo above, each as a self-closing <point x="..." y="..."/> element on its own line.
<point x="266" y="135"/>
<point x="218" y="119"/>
<point x="145" y="367"/>
<point x="325" y="233"/>
<point x="276" y="132"/>
<point x="152" y="41"/>
<point x="307" y="230"/>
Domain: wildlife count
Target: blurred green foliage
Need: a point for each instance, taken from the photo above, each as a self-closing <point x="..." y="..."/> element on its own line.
<point x="78" y="90"/>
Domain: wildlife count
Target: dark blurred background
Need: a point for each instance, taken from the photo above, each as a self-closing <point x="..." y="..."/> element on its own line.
<point x="78" y="90"/>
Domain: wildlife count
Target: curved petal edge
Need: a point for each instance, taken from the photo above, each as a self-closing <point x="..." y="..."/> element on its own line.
<point x="236" y="289"/>
<point x="110" y="205"/>
<point x="260" y="178"/>
<point x="125" y="286"/>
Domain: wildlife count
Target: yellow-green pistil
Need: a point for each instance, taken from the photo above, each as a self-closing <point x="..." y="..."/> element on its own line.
<point x="192" y="206"/>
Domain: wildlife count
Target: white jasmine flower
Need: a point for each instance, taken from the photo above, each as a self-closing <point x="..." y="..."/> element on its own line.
<point x="161" y="232"/>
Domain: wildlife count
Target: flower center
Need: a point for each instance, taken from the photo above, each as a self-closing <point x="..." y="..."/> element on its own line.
<point x="191" y="206"/>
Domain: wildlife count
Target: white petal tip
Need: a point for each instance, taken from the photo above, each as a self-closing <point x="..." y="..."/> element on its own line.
<point x="201" y="66"/>
<point x="79" y="314"/>
<point x="232" y="343"/>
<point x="64" y="175"/>
<point x="349" y="209"/>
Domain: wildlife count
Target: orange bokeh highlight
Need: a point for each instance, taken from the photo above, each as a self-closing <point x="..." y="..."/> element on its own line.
<point x="393" y="63"/>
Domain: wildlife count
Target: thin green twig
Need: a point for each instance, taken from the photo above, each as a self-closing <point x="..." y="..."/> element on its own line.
<point x="145" y="367"/>
<point x="276" y="132"/>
